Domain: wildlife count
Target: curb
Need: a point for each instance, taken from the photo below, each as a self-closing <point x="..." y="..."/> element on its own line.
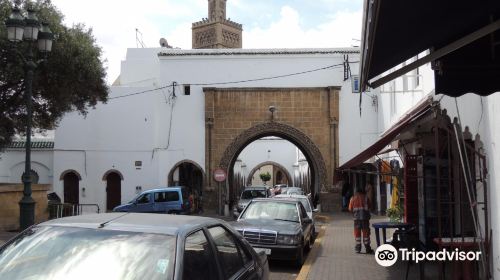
<point x="306" y="267"/>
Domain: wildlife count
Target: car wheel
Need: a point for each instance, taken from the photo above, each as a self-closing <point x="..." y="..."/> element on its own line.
<point x="309" y="244"/>
<point x="173" y="212"/>
<point x="300" y="258"/>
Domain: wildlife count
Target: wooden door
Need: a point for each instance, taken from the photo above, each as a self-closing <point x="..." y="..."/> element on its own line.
<point x="71" y="188"/>
<point x="113" y="191"/>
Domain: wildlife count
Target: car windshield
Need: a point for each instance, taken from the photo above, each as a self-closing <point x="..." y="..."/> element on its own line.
<point x="271" y="210"/>
<point x="251" y="194"/>
<point x="53" y="253"/>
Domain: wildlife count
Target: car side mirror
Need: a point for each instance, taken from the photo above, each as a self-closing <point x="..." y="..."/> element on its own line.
<point x="315" y="210"/>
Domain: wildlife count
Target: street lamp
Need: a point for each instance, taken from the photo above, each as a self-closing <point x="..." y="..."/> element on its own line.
<point x="28" y="28"/>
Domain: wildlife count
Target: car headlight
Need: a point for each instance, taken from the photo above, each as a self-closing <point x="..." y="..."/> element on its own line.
<point x="288" y="239"/>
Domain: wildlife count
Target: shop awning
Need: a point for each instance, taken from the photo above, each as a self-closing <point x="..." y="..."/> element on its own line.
<point x="463" y="38"/>
<point x="417" y="112"/>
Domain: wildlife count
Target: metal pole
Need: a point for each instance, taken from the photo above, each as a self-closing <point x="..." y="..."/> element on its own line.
<point x="27" y="203"/>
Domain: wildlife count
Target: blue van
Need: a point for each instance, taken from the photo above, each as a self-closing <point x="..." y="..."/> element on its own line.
<point x="171" y="200"/>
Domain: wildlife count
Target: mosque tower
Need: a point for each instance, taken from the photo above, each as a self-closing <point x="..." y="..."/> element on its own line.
<point x="216" y="32"/>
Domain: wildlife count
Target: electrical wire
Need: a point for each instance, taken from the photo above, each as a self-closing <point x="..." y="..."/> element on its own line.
<point x="234" y="82"/>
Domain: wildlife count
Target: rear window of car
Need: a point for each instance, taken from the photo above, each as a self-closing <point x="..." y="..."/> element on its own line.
<point x="52" y="252"/>
<point x="251" y="194"/>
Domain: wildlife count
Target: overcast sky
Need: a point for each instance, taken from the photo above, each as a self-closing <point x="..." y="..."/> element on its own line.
<point x="266" y="23"/>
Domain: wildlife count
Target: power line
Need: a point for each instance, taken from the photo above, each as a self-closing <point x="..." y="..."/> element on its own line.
<point x="234" y="82"/>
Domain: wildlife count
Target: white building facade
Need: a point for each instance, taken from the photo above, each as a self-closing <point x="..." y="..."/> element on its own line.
<point x="154" y="118"/>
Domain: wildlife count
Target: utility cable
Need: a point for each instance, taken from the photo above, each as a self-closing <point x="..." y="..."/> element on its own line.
<point x="233" y="82"/>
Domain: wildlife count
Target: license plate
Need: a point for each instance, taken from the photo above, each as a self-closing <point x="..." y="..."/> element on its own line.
<point x="265" y="250"/>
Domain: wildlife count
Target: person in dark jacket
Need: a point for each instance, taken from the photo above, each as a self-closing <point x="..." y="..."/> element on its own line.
<point x="346" y="195"/>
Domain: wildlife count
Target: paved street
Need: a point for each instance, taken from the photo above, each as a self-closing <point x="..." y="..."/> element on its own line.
<point x="332" y="256"/>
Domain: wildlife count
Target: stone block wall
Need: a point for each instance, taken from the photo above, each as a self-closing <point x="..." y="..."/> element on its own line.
<point x="308" y="115"/>
<point x="11" y="194"/>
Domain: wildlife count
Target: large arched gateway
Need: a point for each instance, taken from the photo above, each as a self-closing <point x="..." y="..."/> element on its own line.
<point x="235" y="117"/>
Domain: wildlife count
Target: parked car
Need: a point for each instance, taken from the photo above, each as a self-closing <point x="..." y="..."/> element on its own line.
<point x="277" y="189"/>
<point x="279" y="227"/>
<point x="293" y="190"/>
<point x="171" y="200"/>
<point x="248" y="194"/>
<point x="131" y="246"/>
<point x="306" y="202"/>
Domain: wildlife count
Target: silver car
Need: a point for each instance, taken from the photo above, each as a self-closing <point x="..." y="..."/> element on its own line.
<point x="124" y="246"/>
<point x="306" y="202"/>
<point x="248" y="194"/>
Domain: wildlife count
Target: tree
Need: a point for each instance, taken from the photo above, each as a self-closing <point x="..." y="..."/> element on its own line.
<point x="71" y="78"/>
<point x="265" y="177"/>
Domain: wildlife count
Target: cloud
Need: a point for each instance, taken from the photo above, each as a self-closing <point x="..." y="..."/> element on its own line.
<point x="338" y="31"/>
<point x="114" y="23"/>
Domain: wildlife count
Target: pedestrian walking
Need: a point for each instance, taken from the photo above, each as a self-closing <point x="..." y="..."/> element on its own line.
<point x="345" y="195"/>
<point x="359" y="206"/>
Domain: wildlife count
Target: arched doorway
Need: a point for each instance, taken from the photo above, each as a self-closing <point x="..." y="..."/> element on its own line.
<point x="297" y="137"/>
<point x="113" y="189"/>
<point x="189" y="174"/>
<point x="280" y="174"/>
<point x="71" y="182"/>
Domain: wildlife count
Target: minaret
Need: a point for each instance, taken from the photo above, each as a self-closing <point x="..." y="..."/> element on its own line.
<point x="216" y="32"/>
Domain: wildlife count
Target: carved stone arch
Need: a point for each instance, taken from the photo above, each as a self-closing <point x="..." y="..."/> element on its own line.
<point x="105" y="176"/>
<point x="250" y="174"/>
<point x="287" y="132"/>
<point x="70" y="171"/>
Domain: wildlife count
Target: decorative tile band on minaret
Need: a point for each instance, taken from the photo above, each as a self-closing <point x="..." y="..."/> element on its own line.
<point x="216" y="32"/>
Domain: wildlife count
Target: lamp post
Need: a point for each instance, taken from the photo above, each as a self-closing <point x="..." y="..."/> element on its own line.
<point x="28" y="28"/>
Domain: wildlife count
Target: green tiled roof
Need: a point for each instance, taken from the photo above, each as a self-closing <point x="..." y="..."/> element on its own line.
<point x="34" y="145"/>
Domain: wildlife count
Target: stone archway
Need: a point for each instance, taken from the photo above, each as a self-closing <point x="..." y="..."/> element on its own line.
<point x="307" y="117"/>
<point x="297" y="137"/>
<point x="281" y="167"/>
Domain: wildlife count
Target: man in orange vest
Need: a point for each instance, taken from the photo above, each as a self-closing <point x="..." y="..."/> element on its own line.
<point x="359" y="206"/>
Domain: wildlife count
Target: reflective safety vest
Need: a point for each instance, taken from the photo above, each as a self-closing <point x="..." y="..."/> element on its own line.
<point x="359" y="207"/>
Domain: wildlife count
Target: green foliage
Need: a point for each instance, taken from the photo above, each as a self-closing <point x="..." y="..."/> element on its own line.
<point x="395" y="214"/>
<point x="71" y="77"/>
<point x="265" y="176"/>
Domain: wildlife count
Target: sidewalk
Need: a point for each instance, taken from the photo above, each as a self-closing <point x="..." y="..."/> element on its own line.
<point x="334" y="257"/>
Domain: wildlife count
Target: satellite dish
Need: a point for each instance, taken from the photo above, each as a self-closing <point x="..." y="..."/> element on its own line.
<point x="164" y="43"/>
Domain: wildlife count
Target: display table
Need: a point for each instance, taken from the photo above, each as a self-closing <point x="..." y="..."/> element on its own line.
<point x="385" y="225"/>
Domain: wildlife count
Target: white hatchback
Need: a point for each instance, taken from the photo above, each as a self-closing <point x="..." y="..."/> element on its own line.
<point x="305" y="202"/>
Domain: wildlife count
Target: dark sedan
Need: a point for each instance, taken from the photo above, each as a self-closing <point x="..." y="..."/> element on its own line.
<point x="131" y="246"/>
<point x="279" y="227"/>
